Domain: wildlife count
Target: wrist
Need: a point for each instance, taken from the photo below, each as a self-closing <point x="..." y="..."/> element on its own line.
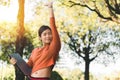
<point x="50" y="7"/>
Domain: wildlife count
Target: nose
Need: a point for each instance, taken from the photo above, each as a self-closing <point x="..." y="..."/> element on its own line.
<point x="48" y="35"/>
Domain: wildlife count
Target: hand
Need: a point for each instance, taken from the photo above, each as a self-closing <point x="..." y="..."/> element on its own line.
<point x="13" y="61"/>
<point x="49" y="5"/>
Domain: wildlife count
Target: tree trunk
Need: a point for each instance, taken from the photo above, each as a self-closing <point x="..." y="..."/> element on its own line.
<point x="87" y="70"/>
<point x="18" y="74"/>
<point x="87" y="63"/>
<point x="20" y="40"/>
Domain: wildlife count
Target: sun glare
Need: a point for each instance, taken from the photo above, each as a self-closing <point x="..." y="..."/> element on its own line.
<point x="9" y="13"/>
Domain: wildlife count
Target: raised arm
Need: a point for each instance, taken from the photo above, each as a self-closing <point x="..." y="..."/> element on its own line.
<point x="50" y="6"/>
<point x="55" y="44"/>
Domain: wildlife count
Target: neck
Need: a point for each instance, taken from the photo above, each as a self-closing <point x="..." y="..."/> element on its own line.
<point x="45" y="44"/>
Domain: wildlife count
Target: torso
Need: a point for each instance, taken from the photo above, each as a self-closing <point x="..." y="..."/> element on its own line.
<point x="45" y="72"/>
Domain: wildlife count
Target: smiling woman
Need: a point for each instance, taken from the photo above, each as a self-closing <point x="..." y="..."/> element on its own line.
<point x="9" y="13"/>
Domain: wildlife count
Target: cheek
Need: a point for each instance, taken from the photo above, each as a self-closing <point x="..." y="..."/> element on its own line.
<point x="51" y="37"/>
<point x="41" y="38"/>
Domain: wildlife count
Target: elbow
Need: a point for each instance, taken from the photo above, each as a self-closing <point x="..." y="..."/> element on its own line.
<point x="59" y="46"/>
<point x="29" y="64"/>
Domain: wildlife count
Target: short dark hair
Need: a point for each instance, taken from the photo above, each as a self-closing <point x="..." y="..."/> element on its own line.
<point x="43" y="28"/>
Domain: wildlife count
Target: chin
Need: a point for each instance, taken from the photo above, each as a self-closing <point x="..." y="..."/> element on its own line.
<point x="48" y="43"/>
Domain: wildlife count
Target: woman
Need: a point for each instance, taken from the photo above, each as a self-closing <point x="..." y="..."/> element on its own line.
<point x="42" y="60"/>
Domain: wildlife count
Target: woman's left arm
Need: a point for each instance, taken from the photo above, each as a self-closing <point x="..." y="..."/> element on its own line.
<point x="55" y="45"/>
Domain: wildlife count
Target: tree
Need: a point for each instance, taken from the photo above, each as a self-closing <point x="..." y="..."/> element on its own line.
<point x="7" y="39"/>
<point x="75" y="37"/>
<point x="21" y="39"/>
<point x="92" y="45"/>
<point x="107" y="10"/>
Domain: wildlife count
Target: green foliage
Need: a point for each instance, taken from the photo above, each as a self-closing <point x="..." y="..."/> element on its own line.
<point x="108" y="48"/>
<point x="7" y="72"/>
<point x="55" y="76"/>
<point x="5" y="2"/>
<point x="7" y="39"/>
<point x="76" y="11"/>
<point x="103" y="12"/>
<point x="8" y="36"/>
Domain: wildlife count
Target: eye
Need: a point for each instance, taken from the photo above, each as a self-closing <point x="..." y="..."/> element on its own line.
<point x="44" y="34"/>
<point x="49" y="33"/>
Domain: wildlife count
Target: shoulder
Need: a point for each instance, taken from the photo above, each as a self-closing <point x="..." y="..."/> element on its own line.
<point x="36" y="49"/>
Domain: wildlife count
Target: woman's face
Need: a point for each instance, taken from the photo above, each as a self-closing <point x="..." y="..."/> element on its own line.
<point x="46" y="36"/>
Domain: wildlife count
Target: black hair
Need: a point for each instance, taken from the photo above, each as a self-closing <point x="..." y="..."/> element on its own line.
<point x="43" y="28"/>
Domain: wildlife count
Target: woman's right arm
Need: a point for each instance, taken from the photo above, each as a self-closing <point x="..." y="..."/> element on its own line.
<point x="14" y="61"/>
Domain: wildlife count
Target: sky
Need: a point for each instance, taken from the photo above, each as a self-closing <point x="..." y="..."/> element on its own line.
<point x="9" y="14"/>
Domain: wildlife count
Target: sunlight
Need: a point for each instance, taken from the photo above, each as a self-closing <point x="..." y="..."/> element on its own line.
<point x="36" y="14"/>
<point x="9" y="13"/>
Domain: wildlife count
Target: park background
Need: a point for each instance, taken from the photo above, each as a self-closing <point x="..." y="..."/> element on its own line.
<point x="89" y="31"/>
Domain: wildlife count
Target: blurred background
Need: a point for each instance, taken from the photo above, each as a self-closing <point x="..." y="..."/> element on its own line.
<point x="89" y="32"/>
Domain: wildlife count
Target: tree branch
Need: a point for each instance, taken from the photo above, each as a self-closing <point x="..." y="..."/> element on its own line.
<point x="74" y="45"/>
<point x="94" y="10"/>
<point x="94" y="57"/>
<point x="111" y="9"/>
<point x="111" y="18"/>
<point x="109" y="6"/>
